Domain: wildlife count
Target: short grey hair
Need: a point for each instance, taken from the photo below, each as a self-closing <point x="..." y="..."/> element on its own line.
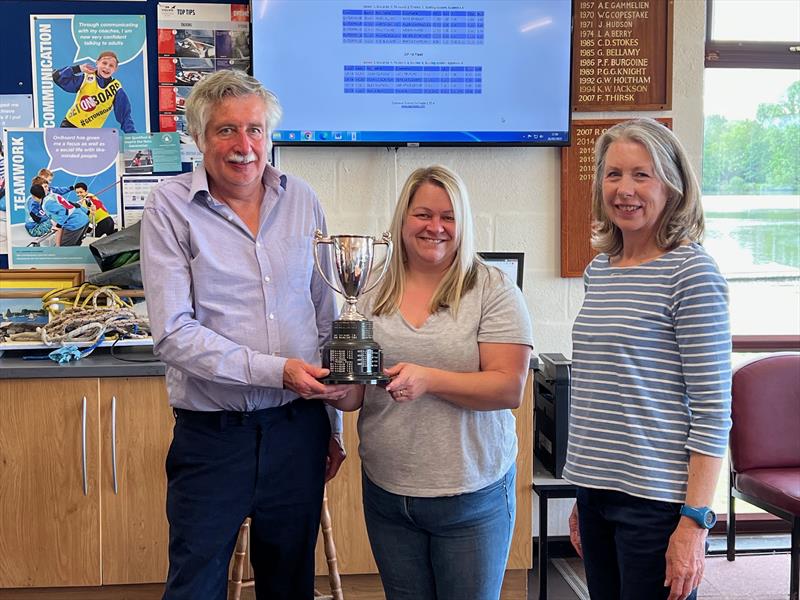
<point x="219" y="86"/>
<point x="682" y="218"/>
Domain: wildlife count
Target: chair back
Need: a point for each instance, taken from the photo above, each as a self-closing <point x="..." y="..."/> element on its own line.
<point x="766" y="413"/>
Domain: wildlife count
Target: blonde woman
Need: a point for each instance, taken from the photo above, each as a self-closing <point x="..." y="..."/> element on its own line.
<point x="438" y="444"/>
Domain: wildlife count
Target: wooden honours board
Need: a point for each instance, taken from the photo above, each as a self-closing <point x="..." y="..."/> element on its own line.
<point x="622" y="55"/>
<point x="577" y="171"/>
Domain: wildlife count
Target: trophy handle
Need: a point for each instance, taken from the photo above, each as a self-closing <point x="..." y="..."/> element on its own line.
<point x="386" y="240"/>
<point x="319" y="238"/>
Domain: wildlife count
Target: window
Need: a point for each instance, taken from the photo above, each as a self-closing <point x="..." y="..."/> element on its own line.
<point x="751" y="160"/>
<point x="751" y="169"/>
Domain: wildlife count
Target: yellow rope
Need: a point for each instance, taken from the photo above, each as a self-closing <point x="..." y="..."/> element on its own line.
<point x="74" y="297"/>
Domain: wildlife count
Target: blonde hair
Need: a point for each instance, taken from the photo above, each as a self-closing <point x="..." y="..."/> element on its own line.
<point x="682" y="218"/>
<point x="45" y="173"/>
<point x="460" y="276"/>
<point x="39" y="180"/>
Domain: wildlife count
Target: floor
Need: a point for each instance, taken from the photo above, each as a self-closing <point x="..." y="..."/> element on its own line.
<point x="355" y="587"/>
<point x="557" y="588"/>
<point x="362" y="587"/>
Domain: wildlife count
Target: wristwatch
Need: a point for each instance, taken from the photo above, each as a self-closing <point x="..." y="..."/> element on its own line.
<point x="703" y="515"/>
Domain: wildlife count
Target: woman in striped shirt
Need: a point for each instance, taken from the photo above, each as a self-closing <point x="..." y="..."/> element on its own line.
<point x="650" y="406"/>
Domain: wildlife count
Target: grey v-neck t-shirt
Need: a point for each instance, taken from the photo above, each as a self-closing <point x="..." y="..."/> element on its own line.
<point x="430" y="447"/>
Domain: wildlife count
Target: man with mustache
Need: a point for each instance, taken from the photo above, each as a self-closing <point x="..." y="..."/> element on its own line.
<point x="238" y="314"/>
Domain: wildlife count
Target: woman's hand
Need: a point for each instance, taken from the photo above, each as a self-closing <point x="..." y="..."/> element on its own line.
<point x="686" y="559"/>
<point x="409" y="381"/>
<point x="574" y="531"/>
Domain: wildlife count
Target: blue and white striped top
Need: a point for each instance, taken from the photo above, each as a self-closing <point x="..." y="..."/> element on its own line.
<point x="651" y="374"/>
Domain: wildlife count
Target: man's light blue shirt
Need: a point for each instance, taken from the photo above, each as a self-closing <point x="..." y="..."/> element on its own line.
<point x="227" y="309"/>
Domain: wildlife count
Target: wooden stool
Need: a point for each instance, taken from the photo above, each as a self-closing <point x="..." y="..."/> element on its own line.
<point x="330" y="554"/>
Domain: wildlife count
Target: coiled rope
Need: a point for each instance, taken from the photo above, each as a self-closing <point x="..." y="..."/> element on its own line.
<point x="84" y="314"/>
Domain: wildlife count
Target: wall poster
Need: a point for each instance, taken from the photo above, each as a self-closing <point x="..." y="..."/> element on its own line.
<point x="71" y="156"/>
<point x="16" y="110"/>
<point x="151" y="153"/>
<point x="90" y="71"/>
<point x="195" y="40"/>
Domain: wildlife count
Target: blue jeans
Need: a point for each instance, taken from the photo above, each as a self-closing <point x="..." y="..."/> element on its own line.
<point x="445" y="548"/>
<point x="625" y="541"/>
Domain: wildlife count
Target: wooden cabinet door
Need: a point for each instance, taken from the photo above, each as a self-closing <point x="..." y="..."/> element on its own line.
<point x="49" y="501"/>
<point x="136" y="415"/>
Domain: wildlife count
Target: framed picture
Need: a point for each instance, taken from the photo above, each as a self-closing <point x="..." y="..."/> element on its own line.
<point x="20" y="313"/>
<point x="510" y="263"/>
<point x="21" y="291"/>
<point x="33" y="283"/>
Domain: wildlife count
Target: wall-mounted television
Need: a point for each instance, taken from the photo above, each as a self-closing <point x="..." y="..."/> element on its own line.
<point x="436" y="72"/>
<point x="510" y="263"/>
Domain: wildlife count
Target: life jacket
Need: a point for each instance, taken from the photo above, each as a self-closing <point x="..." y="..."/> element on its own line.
<point x="100" y="211"/>
<point x="63" y="201"/>
<point x="93" y="103"/>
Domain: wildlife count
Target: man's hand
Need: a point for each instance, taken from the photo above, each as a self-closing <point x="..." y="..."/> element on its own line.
<point x="336" y="456"/>
<point x="301" y="378"/>
<point x="685" y="559"/>
<point x="574" y="531"/>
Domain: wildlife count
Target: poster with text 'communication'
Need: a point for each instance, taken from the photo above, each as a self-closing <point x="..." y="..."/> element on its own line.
<point x="90" y="71"/>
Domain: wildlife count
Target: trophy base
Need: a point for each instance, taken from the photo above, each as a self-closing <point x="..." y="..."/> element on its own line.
<point x="352" y="356"/>
<point x="341" y="378"/>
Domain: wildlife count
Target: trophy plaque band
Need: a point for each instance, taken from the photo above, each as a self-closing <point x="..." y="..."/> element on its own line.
<point x="352" y="356"/>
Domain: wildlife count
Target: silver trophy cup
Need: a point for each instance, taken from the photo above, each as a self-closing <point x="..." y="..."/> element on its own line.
<point x="352" y="355"/>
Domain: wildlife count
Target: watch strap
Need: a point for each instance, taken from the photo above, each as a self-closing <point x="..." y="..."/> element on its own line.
<point x="699" y="515"/>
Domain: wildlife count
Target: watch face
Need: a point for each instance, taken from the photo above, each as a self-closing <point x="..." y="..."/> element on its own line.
<point x="710" y="518"/>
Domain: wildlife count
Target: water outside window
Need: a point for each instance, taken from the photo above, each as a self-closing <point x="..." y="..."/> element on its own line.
<point x="751" y="194"/>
